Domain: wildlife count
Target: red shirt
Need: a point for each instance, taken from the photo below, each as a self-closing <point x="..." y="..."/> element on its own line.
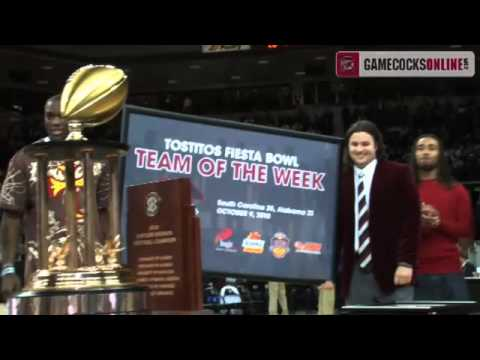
<point x="437" y="250"/>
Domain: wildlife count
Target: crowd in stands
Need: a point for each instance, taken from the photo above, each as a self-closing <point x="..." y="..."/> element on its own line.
<point x="455" y="119"/>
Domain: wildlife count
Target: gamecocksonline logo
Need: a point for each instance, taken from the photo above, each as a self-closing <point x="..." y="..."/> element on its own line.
<point x="347" y="64"/>
<point x="401" y="64"/>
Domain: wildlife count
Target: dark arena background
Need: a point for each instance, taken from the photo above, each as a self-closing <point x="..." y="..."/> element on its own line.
<point x="291" y="87"/>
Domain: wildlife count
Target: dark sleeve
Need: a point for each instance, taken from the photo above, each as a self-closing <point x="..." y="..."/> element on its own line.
<point x="476" y="212"/>
<point x="469" y="270"/>
<point x="13" y="195"/>
<point x="410" y="230"/>
<point x="461" y="225"/>
<point x="338" y="255"/>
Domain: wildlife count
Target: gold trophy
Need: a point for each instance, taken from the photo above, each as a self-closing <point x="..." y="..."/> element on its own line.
<point x="81" y="275"/>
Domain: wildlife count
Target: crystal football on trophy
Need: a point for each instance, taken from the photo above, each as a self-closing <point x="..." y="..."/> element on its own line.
<point x="82" y="274"/>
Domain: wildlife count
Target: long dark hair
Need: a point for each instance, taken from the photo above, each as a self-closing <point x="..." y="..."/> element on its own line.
<point x="444" y="175"/>
<point x="370" y="128"/>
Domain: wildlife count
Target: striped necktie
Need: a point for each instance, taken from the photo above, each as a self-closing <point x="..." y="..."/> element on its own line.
<point x="364" y="247"/>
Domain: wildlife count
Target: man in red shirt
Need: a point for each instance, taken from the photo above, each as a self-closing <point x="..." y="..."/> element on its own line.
<point x="446" y="216"/>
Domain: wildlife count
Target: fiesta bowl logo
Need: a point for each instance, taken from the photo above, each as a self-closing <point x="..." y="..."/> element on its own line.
<point x="253" y="243"/>
<point x="152" y="204"/>
<point x="223" y="241"/>
<point x="308" y="248"/>
<point x="279" y="245"/>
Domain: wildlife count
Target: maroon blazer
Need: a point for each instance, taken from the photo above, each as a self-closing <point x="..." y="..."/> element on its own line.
<point x="394" y="223"/>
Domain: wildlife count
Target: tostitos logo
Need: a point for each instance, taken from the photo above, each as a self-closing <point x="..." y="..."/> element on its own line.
<point x="253" y="243"/>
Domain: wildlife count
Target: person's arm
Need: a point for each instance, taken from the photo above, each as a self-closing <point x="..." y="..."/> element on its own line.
<point x="410" y="231"/>
<point x="10" y="231"/>
<point x="459" y="226"/>
<point x="426" y="219"/>
<point x="13" y="201"/>
<point x="339" y="244"/>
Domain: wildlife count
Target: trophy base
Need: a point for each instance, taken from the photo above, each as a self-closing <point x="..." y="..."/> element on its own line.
<point x="86" y="278"/>
<point x="95" y="290"/>
<point x="124" y="299"/>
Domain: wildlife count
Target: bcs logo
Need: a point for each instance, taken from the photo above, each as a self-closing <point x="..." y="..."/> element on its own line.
<point x="279" y="245"/>
<point x="348" y="64"/>
<point x="223" y="241"/>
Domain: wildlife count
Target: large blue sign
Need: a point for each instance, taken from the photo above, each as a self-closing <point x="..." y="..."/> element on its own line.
<point x="267" y="198"/>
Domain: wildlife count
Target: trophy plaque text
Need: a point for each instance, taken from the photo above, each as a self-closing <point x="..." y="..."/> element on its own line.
<point x="164" y="246"/>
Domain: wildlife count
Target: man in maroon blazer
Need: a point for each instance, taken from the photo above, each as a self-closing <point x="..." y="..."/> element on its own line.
<point x="379" y="222"/>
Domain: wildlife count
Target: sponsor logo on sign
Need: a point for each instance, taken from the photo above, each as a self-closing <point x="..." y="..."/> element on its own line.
<point x="308" y="247"/>
<point x="279" y="245"/>
<point x="223" y="241"/>
<point x="253" y="243"/>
